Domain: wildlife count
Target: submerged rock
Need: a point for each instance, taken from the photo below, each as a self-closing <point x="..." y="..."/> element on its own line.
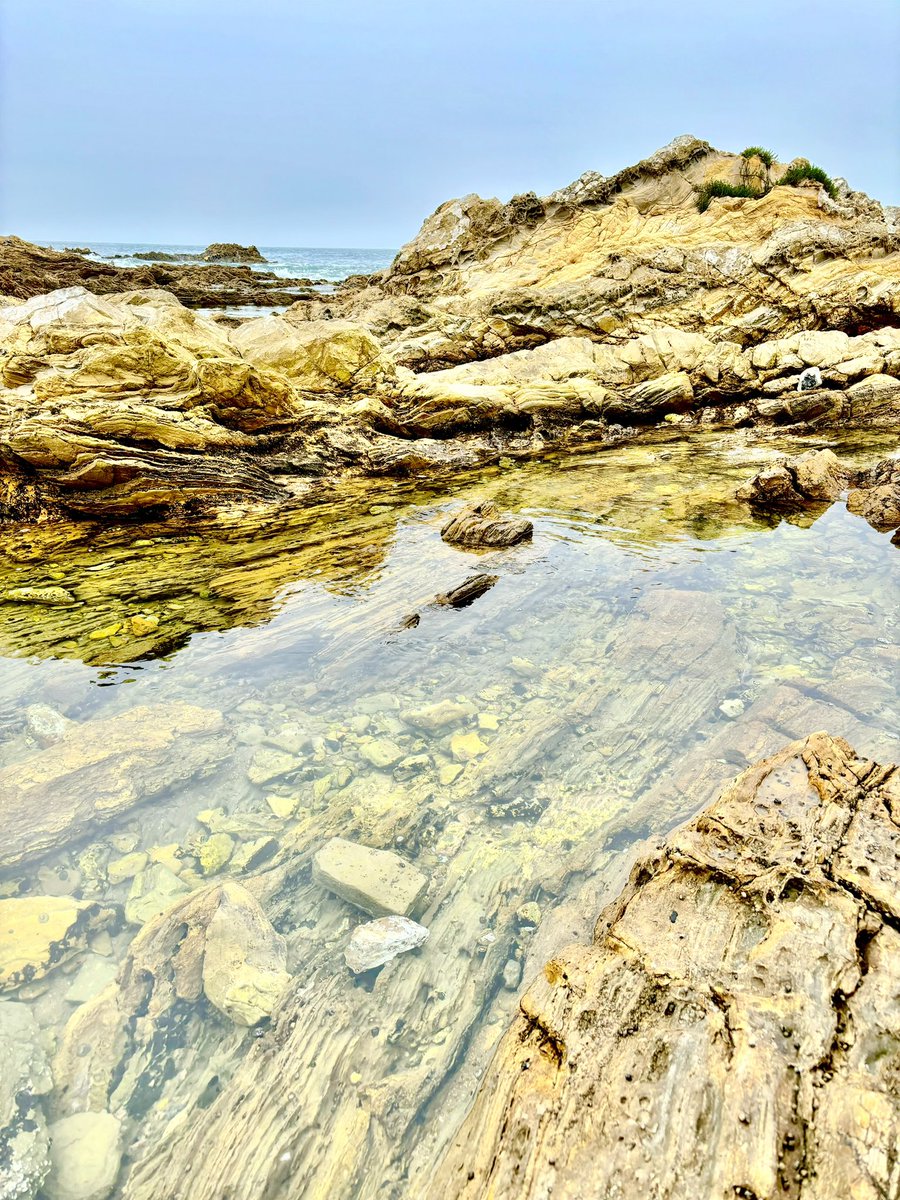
<point x="377" y="881"/>
<point x="377" y="942"/>
<point x="792" y="482"/>
<point x="24" y="1078"/>
<point x="100" y="769"/>
<point x="85" y="1153"/>
<point x="484" y="525"/>
<point x="731" y="1030"/>
<point x="244" y="960"/>
<point x="39" y="933"/>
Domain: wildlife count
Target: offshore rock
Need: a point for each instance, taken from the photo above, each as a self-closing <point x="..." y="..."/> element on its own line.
<point x="100" y="769"/>
<point x="377" y="942"/>
<point x="484" y="525"/>
<point x="232" y="252"/>
<point x="730" y="1031"/>
<point x="25" y="1077"/>
<point x="377" y="881"/>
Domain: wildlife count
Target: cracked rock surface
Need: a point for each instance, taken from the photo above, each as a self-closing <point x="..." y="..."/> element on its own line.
<point x="733" y="1029"/>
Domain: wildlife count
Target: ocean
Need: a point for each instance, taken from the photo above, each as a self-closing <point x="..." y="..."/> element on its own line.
<point x="298" y="262"/>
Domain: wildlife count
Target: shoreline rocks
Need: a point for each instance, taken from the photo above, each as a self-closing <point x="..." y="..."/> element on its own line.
<point x="728" y="1031"/>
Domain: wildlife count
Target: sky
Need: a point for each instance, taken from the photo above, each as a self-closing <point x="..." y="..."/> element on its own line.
<point x="345" y="122"/>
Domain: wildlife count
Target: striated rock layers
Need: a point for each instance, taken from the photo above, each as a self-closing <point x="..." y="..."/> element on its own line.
<point x="501" y="329"/>
<point x="733" y="1029"/>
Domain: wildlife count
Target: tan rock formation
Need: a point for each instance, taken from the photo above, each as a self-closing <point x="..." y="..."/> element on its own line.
<point x="731" y="1030"/>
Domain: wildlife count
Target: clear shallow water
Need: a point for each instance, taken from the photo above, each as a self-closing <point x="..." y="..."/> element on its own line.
<point x="652" y="640"/>
<point x="297" y="262"/>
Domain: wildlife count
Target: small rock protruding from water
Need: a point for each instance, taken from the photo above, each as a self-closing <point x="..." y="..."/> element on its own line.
<point x="377" y="942"/>
<point x="377" y="881"/>
<point x="484" y="525"/>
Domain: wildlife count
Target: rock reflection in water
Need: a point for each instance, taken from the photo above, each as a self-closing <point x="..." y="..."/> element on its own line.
<point x="653" y="639"/>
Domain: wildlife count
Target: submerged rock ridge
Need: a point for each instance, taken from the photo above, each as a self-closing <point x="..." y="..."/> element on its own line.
<point x="610" y="306"/>
<point x="732" y="1030"/>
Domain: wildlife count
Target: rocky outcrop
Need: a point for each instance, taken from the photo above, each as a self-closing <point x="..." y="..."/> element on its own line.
<point x="582" y="317"/>
<point x="100" y="769"/>
<point x="483" y="524"/>
<point x="232" y="252"/>
<point x="820" y="477"/>
<point x="730" y="1030"/>
<point x="27" y="270"/>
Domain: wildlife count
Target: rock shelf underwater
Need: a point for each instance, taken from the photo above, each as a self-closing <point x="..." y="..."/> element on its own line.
<point x="262" y="725"/>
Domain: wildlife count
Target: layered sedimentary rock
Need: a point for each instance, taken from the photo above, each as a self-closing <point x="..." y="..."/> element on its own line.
<point x="502" y="329"/>
<point x="98" y="771"/>
<point x="27" y="270"/>
<point x="731" y="1030"/>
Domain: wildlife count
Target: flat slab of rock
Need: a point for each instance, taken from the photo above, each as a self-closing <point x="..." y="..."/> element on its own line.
<point x="484" y="525"/>
<point x="100" y="769"/>
<point x="377" y="942"/>
<point x="733" y="1028"/>
<point x="38" y="933"/>
<point x="377" y="881"/>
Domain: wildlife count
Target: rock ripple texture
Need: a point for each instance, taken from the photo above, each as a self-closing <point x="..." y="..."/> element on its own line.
<point x="732" y="1030"/>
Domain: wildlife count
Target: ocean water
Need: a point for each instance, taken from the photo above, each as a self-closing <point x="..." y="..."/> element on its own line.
<point x="298" y="262"/>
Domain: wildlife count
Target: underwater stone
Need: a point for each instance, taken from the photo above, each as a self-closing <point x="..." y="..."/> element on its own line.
<point x="215" y="853"/>
<point x="377" y="881"/>
<point x="152" y="892"/>
<point x="244" y="959"/>
<point x="24" y="1150"/>
<point x="37" y="933"/>
<point x="436" y="716"/>
<point x="381" y="752"/>
<point x="126" y="867"/>
<point x="377" y="942"/>
<point x="85" y="1153"/>
<point x="466" y="746"/>
<point x="270" y="764"/>
<point x="45" y="724"/>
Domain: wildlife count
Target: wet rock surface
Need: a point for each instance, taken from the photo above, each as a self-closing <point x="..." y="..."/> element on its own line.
<point x="744" y="971"/>
<point x="484" y="525"/>
<point x="377" y="942"/>
<point x="99" y="770"/>
<point x="377" y="881"/>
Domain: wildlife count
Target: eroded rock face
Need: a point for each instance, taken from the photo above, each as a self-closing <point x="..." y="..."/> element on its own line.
<point x="100" y="769"/>
<point x="730" y="1030"/>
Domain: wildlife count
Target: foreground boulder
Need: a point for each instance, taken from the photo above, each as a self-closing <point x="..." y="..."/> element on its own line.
<point x="732" y="1030"/>
<point x="484" y="525"/>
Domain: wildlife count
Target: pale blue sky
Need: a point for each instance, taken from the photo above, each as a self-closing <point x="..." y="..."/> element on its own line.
<point x="344" y="122"/>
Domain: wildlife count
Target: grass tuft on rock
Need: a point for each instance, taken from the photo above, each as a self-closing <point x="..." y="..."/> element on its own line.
<point x="719" y="187"/>
<point x="802" y="171"/>
<point x="760" y="152"/>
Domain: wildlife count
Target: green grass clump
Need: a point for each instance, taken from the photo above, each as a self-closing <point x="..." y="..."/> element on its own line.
<point x="760" y="152"/>
<point x="796" y="174"/>
<point x="718" y="187"/>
